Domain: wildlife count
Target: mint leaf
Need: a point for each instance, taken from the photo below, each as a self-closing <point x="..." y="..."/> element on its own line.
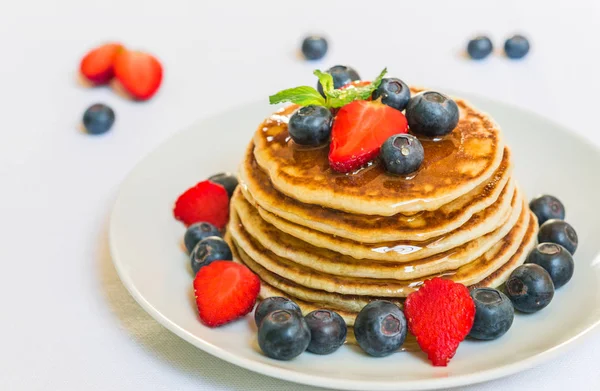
<point x="303" y="96"/>
<point x="339" y="98"/>
<point x="306" y="96"/>
<point x="326" y="81"/>
<point x="375" y="84"/>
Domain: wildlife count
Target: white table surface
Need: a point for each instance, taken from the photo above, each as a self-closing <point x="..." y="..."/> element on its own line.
<point x="67" y="321"/>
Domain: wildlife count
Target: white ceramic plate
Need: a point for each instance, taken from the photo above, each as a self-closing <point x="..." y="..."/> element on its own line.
<point x="146" y="248"/>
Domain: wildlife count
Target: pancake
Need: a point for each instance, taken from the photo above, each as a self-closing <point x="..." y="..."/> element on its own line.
<point x="473" y="272"/>
<point x="453" y="166"/>
<point x="248" y="226"/>
<point x="499" y="276"/>
<point x="259" y="190"/>
<point x="336" y="301"/>
<point x="397" y="251"/>
<point x="267" y="290"/>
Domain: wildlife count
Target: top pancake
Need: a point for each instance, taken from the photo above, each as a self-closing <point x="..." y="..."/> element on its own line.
<point x="454" y="165"/>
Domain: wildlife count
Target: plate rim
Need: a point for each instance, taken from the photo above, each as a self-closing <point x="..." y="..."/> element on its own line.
<point x="288" y="374"/>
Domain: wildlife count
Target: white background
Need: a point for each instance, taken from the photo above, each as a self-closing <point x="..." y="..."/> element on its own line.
<point x="67" y="322"/>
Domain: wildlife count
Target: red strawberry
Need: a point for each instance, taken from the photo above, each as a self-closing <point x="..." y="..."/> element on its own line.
<point x="225" y="291"/>
<point x="97" y="65"/>
<point x="206" y="201"/>
<point x="359" y="130"/>
<point x="440" y="314"/>
<point x="139" y="73"/>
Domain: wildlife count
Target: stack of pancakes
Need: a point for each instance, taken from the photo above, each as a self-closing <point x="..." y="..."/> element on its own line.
<point x="338" y="241"/>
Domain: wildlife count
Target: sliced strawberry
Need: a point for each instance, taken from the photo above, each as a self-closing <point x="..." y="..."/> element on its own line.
<point x="440" y="314"/>
<point x="225" y="291"/>
<point x="359" y="130"/>
<point x="206" y="201"/>
<point x="97" y="65"/>
<point x="139" y="73"/>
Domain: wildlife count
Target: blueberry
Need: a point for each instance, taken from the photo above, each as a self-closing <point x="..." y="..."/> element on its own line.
<point x="226" y="179"/>
<point x="494" y="314"/>
<point x="283" y="335"/>
<point x="342" y="75"/>
<point x="557" y="261"/>
<point x="431" y="114"/>
<point x="98" y="118"/>
<point x="208" y="250"/>
<point x="547" y="207"/>
<point x="530" y="288"/>
<point x="380" y="328"/>
<point x="516" y="47"/>
<point x="328" y="331"/>
<point x="197" y="232"/>
<point x="559" y="232"/>
<point x="314" y="47"/>
<point x="310" y="125"/>
<point x="402" y="154"/>
<point x="393" y="92"/>
<point x="480" y="47"/>
<point x="274" y="303"/>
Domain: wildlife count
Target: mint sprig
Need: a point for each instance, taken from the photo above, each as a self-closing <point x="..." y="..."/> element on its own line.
<point x="305" y="96"/>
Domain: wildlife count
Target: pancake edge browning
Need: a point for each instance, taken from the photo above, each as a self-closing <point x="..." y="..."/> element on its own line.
<point x="247" y="222"/>
<point x="394" y="251"/>
<point x="352" y="303"/>
<point x="491" y="261"/>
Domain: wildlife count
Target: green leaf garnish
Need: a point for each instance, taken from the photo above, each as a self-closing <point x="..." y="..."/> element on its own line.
<point x="326" y="81"/>
<point x="306" y="96"/>
<point x="303" y="96"/>
<point x="339" y="98"/>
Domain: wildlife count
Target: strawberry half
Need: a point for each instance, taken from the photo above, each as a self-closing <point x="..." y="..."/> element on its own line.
<point x="206" y="201"/>
<point x="440" y="314"/>
<point x="139" y="73"/>
<point x="97" y="65"/>
<point x="359" y="130"/>
<point x="225" y="291"/>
